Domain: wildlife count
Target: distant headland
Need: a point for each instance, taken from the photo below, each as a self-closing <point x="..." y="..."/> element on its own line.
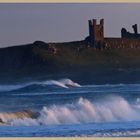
<point x="105" y="59"/>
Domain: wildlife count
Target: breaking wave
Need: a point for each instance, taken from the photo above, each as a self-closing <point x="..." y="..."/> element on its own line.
<point x="64" y="83"/>
<point x="110" y="109"/>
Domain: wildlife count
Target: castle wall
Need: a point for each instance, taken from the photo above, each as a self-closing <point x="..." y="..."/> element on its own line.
<point x="121" y="43"/>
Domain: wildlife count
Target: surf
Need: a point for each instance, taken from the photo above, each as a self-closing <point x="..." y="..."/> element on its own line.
<point x="83" y="111"/>
<point x="62" y="83"/>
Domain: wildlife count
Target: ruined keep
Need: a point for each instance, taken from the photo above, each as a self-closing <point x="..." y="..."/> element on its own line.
<point x="96" y="33"/>
<point x="126" y="34"/>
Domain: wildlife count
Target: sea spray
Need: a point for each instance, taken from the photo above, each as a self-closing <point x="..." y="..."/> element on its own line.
<point x="111" y="109"/>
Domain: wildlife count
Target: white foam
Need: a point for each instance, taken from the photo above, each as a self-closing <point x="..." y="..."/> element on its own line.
<point x="64" y="83"/>
<point x="110" y="109"/>
<point x="127" y="133"/>
<point x="69" y="82"/>
<point x="53" y="82"/>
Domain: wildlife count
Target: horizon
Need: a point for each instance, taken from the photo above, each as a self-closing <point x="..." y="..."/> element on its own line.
<point x="59" y="22"/>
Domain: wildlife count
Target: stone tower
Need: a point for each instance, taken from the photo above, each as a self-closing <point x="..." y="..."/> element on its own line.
<point x="135" y="29"/>
<point x="96" y="33"/>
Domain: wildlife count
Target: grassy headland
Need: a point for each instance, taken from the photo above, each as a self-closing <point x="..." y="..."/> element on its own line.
<point x="74" y="59"/>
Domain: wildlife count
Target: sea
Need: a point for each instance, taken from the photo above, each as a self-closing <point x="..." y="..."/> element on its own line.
<point x="67" y="108"/>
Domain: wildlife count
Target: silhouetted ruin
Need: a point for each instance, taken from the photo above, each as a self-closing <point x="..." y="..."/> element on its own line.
<point x="97" y="40"/>
<point x="96" y="33"/>
<point x="126" y="34"/>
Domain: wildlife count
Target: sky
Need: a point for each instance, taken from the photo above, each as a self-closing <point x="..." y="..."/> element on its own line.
<point x="26" y="23"/>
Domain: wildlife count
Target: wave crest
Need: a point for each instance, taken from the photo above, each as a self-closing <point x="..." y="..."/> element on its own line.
<point x="63" y="83"/>
<point x="111" y="109"/>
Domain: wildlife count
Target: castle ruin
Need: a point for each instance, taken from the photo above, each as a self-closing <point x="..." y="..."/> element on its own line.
<point x="97" y="40"/>
<point x="126" y="34"/>
<point x="96" y="33"/>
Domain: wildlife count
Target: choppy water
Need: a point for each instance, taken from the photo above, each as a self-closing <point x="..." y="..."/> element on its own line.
<point x="67" y="108"/>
